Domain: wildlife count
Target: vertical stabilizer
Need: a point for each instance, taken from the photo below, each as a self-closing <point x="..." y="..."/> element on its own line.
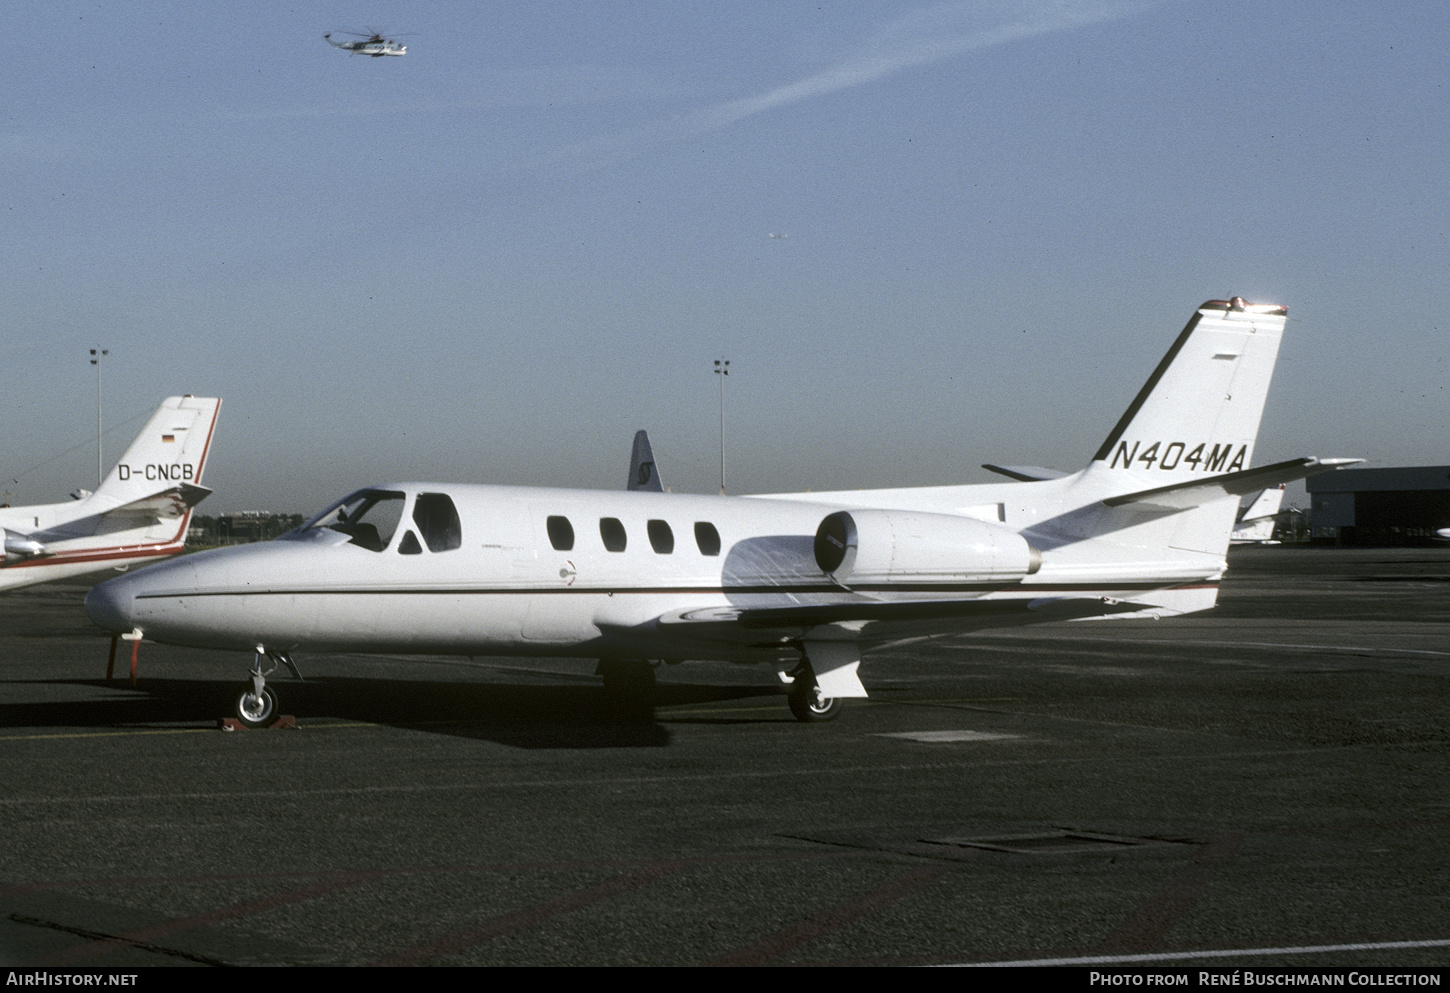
<point x="1199" y="412"/>
<point x="643" y="473"/>
<point x="1267" y="504"/>
<point x="169" y="453"/>
<point x="1196" y="418"/>
<point x="1257" y="523"/>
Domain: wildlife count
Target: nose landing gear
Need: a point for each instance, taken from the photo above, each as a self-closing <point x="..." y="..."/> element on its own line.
<point x="255" y="705"/>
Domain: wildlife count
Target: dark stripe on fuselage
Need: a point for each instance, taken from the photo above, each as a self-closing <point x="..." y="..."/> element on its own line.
<point x="688" y="590"/>
<point x="99" y="555"/>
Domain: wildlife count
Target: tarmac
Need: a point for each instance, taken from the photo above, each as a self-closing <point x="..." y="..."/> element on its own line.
<point x="1260" y="785"/>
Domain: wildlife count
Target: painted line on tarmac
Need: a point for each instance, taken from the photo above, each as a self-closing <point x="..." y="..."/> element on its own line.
<point x="1189" y="642"/>
<point x="791" y="772"/>
<point x="1341" y="649"/>
<point x="1217" y="953"/>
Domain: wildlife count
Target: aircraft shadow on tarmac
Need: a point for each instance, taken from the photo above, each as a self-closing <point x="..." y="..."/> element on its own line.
<point x="520" y="716"/>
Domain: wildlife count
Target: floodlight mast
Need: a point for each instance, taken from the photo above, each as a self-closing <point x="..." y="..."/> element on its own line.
<point x="97" y="354"/>
<point x="722" y="369"/>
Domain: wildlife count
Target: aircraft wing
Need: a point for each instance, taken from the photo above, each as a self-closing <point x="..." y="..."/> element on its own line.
<point x="1184" y="496"/>
<point x="1025" y="473"/>
<point x="902" y="611"/>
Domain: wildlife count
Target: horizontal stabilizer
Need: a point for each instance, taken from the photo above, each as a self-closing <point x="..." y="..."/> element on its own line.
<point x="1184" y="496"/>
<point x="166" y="504"/>
<point x="1025" y="473"/>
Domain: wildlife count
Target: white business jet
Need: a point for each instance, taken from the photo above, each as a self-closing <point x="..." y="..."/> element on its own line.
<point x="803" y="582"/>
<point x="140" y="512"/>
<point x="1256" y="525"/>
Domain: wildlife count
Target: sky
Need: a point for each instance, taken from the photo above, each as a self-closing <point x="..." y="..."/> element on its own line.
<point x="496" y="258"/>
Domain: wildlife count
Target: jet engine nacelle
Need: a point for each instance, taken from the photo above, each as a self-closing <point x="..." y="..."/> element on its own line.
<point x="863" y="546"/>
<point x="19" y="548"/>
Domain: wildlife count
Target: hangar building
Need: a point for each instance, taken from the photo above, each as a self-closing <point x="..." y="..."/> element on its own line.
<point x="1403" y="506"/>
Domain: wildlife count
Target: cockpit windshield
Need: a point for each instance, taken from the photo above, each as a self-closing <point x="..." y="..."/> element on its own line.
<point x="368" y="517"/>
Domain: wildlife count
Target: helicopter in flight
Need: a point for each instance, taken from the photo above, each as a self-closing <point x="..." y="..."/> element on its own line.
<point x="373" y="44"/>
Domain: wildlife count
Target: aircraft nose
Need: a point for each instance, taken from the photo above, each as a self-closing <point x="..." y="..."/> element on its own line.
<point x="112" y="604"/>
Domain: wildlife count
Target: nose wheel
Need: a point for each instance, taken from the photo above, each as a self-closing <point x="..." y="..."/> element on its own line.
<point x="255" y="704"/>
<point x="255" y="710"/>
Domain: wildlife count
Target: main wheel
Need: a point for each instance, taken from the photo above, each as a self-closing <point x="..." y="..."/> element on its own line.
<point x="254" y="710"/>
<point x="809" y="704"/>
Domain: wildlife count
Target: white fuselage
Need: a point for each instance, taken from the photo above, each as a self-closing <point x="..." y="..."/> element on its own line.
<point x="478" y="570"/>
<point x="506" y="588"/>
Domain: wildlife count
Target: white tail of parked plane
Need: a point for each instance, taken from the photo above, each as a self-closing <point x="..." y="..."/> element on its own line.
<point x="140" y="512"/>
<point x="1256" y="524"/>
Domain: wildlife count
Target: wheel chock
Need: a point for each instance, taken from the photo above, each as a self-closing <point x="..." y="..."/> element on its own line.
<point x="284" y="723"/>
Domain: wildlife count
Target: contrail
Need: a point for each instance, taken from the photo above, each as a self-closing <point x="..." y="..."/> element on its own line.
<point x="918" y="39"/>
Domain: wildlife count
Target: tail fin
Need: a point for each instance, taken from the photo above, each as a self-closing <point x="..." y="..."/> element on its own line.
<point x="1174" y="465"/>
<point x="1267" y="504"/>
<point x="1256" y="525"/>
<point x="168" y="455"/>
<point x="1199" y="412"/>
<point x="643" y="473"/>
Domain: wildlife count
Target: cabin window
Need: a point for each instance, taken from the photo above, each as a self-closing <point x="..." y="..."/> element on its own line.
<point x="707" y="538"/>
<point x="661" y="538"/>
<point x="409" y="545"/>
<point x="369" y="518"/>
<point x="561" y="533"/>
<point x="612" y="533"/>
<point x="437" y="520"/>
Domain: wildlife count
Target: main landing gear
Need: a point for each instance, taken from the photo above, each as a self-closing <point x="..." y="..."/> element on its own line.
<point x="255" y="705"/>
<point x="807" y="703"/>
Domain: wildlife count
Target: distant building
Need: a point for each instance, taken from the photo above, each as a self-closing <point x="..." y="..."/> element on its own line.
<point x="240" y="527"/>
<point x="1403" y="506"/>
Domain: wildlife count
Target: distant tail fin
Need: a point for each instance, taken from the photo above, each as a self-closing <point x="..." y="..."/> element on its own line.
<point x="643" y="473"/>
<point x="1199" y="412"/>
<point x="169" y="453"/>
<point x="1267" y="504"/>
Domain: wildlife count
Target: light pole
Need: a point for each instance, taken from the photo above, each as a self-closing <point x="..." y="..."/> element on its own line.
<point x="96" y="355"/>
<point x="722" y="369"/>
